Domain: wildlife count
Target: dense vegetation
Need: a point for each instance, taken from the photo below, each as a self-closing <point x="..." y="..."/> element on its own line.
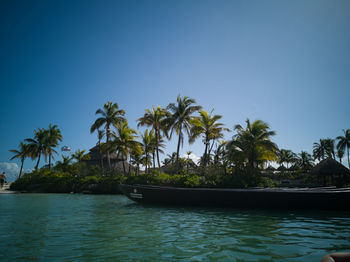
<point x="243" y="161"/>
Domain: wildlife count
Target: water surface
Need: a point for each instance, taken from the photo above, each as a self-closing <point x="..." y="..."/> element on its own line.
<point x="73" y="227"/>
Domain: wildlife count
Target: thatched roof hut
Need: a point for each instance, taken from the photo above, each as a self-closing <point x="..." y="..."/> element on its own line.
<point x="330" y="167"/>
<point x="95" y="160"/>
<point x="270" y="168"/>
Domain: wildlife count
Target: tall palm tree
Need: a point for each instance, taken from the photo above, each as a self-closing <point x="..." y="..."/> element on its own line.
<point x="111" y="115"/>
<point x="157" y="119"/>
<point x="22" y="153"/>
<point x="125" y="141"/>
<point x="53" y="136"/>
<point x="37" y="145"/>
<point x="320" y="149"/>
<point x="344" y="143"/>
<point x="180" y="118"/>
<point x="206" y="125"/>
<point x="254" y="143"/>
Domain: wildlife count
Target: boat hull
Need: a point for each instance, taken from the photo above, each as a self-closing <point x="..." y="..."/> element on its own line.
<point x="331" y="199"/>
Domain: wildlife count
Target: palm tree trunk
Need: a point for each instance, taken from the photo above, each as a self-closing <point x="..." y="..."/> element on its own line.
<point x="210" y="149"/>
<point x="157" y="138"/>
<point x="205" y="153"/>
<point x="124" y="166"/>
<point x="20" y="171"/>
<point x="107" y="141"/>
<point x="37" y="163"/>
<point x="177" y="153"/>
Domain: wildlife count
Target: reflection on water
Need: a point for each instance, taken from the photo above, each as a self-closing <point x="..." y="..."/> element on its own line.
<point x="52" y="227"/>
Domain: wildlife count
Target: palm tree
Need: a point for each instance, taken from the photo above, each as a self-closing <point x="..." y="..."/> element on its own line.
<point x="53" y="136"/>
<point x="125" y="141"/>
<point x="330" y="147"/>
<point x="170" y="159"/>
<point x="344" y="143"/>
<point x="320" y="149"/>
<point x="37" y="145"/>
<point x="157" y="119"/>
<point x="286" y="156"/>
<point x="111" y="115"/>
<point x="63" y="165"/>
<point x="340" y="155"/>
<point x="253" y="143"/>
<point x="22" y="153"/>
<point x="180" y="119"/>
<point x="207" y="126"/>
<point x="304" y="160"/>
<point x="79" y="155"/>
<point x="147" y="144"/>
<point x="136" y="158"/>
<point x="188" y="153"/>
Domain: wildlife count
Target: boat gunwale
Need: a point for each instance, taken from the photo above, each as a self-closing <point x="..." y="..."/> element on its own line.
<point x="329" y="190"/>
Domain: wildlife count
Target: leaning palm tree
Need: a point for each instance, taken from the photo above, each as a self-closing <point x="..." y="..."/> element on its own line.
<point x="344" y="143"/>
<point x="253" y="143"/>
<point x="180" y="118"/>
<point x="53" y="136"/>
<point x="157" y="119"/>
<point x="22" y="153"/>
<point x="207" y="126"/>
<point x="125" y="141"/>
<point x="37" y="145"/>
<point x="111" y="115"/>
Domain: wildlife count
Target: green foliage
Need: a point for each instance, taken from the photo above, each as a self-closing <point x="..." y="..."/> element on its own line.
<point x="51" y="181"/>
<point x="44" y="180"/>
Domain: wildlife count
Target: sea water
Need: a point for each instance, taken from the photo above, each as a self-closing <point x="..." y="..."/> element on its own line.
<point x="76" y="227"/>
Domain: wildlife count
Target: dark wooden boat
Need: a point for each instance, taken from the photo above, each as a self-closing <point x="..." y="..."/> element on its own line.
<point x="285" y="198"/>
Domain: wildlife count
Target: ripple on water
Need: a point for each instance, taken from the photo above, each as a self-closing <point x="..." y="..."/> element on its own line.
<point x="49" y="227"/>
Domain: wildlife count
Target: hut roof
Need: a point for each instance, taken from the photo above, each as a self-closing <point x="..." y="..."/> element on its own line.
<point x="281" y="168"/>
<point x="270" y="168"/>
<point x="95" y="154"/>
<point x="330" y="166"/>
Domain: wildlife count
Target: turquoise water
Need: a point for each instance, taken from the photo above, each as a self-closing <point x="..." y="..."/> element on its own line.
<point x="54" y="227"/>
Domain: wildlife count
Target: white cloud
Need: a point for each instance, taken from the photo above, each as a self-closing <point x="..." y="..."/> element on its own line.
<point x="192" y="156"/>
<point x="11" y="170"/>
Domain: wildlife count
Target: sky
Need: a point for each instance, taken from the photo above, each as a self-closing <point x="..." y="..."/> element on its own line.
<point x="284" y="62"/>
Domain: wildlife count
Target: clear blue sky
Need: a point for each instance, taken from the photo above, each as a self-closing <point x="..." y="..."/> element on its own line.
<point x="285" y="62"/>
